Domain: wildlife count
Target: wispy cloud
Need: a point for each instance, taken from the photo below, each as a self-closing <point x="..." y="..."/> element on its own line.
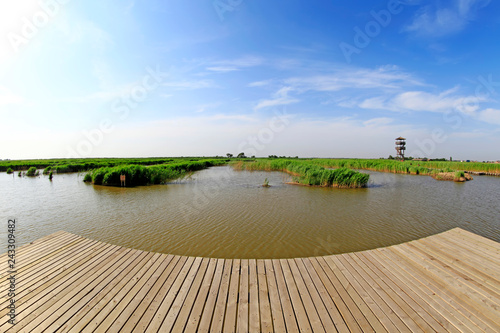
<point x="425" y="101"/>
<point x="385" y="77"/>
<point x="259" y="83"/>
<point x="436" y="21"/>
<point x="190" y="85"/>
<point x="279" y="98"/>
<point x="231" y="65"/>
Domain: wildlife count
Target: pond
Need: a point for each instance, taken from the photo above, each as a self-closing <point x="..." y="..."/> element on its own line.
<point x="219" y="212"/>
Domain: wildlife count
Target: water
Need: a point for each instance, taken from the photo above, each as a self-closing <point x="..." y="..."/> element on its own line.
<point x="224" y="213"/>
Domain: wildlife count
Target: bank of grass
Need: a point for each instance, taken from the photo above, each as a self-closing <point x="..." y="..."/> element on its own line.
<point x="408" y="167"/>
<point x="86" y="164"/>
<point x="307" y="173"/>
<point x="136" y="175"/>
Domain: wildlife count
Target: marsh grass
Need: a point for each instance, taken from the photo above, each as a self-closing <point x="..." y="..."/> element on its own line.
<point x="10" y="171"/>
<point x="137" y="175"/>
<point x="32" y="172"/>
<point x="307" y="173"/>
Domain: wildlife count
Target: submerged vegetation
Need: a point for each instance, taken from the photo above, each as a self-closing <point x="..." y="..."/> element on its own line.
<point x="136" y="175"/>
<point x="307" y="173"/>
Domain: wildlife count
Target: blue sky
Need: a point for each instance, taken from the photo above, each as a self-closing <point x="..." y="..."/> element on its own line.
<point x="192" y="78"/>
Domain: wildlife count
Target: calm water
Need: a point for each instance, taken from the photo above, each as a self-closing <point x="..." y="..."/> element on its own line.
<point x="219" y="212"/>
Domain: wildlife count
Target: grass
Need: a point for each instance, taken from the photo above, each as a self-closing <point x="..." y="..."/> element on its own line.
<point x="86" y="164"/>
<point x="307" y="173"/>
<point x="32" y="172"/>
<point x="408" y="167"/>
<point x="459" y="175"/>
<point x="10" y="171"/>
<point x="137" y="175"/>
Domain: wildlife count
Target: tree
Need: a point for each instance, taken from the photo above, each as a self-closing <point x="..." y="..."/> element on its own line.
<point x="229" y="155"/>
<point x="390" y="157"/>
<point x="241" y="155"/>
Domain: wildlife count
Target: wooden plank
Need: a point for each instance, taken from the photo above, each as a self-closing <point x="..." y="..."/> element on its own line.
<point x="386" y="316"/>
<point x="175" y="309"/>
<point x="232" y="298"/>
<point x="96" y="305"/>
<point x="89" y="273"/>
<point x="220" y="305"/>
<point x="312" y="299"/>
<point x="306" y="295"/>
<point x="435" y="306"/>
<point x="165" y="271"/>
<point x="243" y="301"/>
<point x="274" y="298"/>
<point x="49" y="289"/>
<point x="324" y="287"/>
<point x="253" y="298"/>
<point x="439" y="288"/>
<point x="153" y="307"/>
<point x="208" y="310"/>
<point x="402" y="293"/>
<point x="483" y="306"/>
<point x="465" y="267"/>
<point x="189" y="302"/>
<point x="94" y="300"/>
<point x="298" y="307"/>
<point x="396" y="303"/>
<point x="50" y="269"/>
<point x="266" y="319"/>
<point x="128" y="298"/>
<point x="364" y="315"/>
<point x="71" y="302"/>
<point x="284" y="297"/>
<point x="166" y="303"/>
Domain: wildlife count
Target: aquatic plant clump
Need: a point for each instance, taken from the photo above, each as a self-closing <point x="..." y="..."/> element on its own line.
<point x="136" y="175"/>
<point x="10" y="171"/>
<point x="306" y="173"/>
<point x="32" y="172"/>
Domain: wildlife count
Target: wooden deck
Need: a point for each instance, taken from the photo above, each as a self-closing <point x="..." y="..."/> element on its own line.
<point x="448" y="282"/>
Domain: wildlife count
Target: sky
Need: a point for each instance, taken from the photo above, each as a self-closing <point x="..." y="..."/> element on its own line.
<point x="319" y="78"/>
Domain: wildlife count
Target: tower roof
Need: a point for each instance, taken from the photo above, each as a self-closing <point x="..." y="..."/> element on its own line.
<point x="400" y="138"/>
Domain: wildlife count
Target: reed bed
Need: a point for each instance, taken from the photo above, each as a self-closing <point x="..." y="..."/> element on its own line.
<point x="408" y="167"/>
<point x="137" y="175"/>
<point x="307" y="173"/>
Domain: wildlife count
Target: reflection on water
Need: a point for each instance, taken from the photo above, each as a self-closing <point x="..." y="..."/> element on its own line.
<point x="219" y="212"/>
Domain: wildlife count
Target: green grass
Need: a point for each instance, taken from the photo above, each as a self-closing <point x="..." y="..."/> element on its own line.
<point x="137" y="175"/>
<point x="10" y="171"/>
<point x="412" y="167"/>
<point x="307" y="173"/>
<point x="459" y="174"/>
<point x="32" y="172"/>
<point x="86" y="164"/>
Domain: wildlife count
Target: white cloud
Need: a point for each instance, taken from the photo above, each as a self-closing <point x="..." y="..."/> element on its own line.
<point x="279" y="98"/>
<point x="491" y="116"/>
<point x="259" y="83"/>
<point x="436" y="22"/>
<point x="223" y="66"/>
<point x="385" y="77"/>
<point x="196" y="84"/>
<point x="425" y="101"/>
